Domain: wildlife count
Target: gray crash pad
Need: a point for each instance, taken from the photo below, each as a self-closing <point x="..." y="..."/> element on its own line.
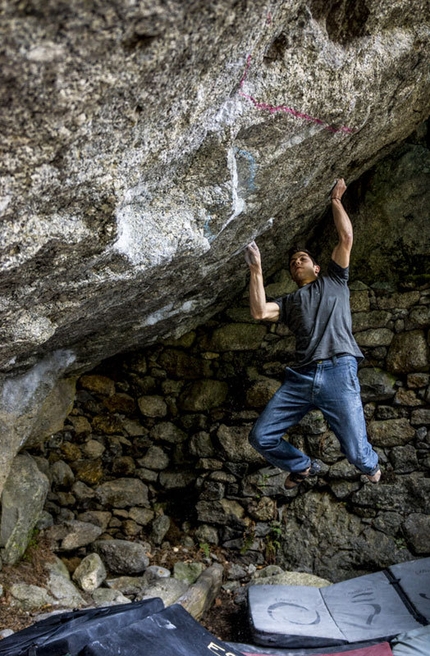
<point x="373" y="607"/>
<point x="291" y="616"/>
<point x="368" y="607"/>
<point x="380" y="649"/>
<point x="414" y="643"/>
<point x="413" y="578"/>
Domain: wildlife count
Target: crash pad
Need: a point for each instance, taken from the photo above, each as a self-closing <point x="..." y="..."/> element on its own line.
<point x="357" y="610"/>
<point x="413" y="577"/>
<point x="69" y="632"/>
<point x="370" y="608"/>
<point x="291" y="616"/>
<point x="381" y="649"/>
<point x="413" y="643"/>
<point x="171" y="631"/>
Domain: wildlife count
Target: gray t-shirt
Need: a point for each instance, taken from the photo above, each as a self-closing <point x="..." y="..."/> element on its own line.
<point x="319" y="315"/>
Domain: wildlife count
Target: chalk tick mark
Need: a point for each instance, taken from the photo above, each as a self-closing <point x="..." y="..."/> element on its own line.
<point x="284" y="108"/>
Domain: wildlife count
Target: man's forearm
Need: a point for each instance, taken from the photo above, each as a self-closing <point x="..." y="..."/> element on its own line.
<point x="257" y="295"/>
<point x="341" y="220"/>
<point x="260" y="308"/>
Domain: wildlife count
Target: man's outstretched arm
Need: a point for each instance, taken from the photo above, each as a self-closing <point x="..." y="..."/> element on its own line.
<point x="260" y="308"/>
<point x="342" y="250"/>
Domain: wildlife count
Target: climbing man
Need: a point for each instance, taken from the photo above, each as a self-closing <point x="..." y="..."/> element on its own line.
<point x="325" y="373"/>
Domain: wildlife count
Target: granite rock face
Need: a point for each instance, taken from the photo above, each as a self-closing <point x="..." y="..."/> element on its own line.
<point x="146" y="143"/>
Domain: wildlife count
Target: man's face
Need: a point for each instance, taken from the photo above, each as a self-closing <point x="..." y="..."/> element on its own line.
<point x="302" y="269"/>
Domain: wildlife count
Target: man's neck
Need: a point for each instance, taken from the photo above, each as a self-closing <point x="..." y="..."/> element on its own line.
<point x="303" y="283"/>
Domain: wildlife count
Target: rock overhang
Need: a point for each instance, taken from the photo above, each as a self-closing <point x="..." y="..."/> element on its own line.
<point x="152" y="143"/>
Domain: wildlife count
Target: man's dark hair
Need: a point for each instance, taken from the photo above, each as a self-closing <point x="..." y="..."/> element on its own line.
<point x="298" y="249"/>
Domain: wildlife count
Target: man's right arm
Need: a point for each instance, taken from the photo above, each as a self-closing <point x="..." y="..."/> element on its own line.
<point x="260" y="308"/>
<point x="342" y="250"/>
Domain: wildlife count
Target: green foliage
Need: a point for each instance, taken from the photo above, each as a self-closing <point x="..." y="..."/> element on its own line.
<point x="248" y="539"/>
<point x="31" y="545"/>
<point x="263" y="481"/>
<point x="272" y="543"/>
<point x="205" y="548"/>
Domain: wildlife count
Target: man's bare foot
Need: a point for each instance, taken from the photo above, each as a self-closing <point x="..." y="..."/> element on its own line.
<point x="374" y="478"/>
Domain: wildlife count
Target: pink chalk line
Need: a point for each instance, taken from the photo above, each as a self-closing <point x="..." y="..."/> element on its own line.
<point x="283" y="108"/>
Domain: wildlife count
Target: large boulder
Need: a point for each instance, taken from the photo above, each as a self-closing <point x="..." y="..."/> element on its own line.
<point x="23" y="499"/>
<point x="147" y="144"/>
<point x="122" y="557"/>
<point x="33" y="405"/>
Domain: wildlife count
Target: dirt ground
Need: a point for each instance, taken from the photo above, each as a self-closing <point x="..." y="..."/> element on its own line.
<point x="225" y="620"/>
<point x="31" y="571"/>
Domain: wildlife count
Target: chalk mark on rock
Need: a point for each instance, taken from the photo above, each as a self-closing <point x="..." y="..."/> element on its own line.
<point x="284" y="108"/>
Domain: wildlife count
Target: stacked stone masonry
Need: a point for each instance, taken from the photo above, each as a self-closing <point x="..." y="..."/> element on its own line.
<point x="156" y="447"/>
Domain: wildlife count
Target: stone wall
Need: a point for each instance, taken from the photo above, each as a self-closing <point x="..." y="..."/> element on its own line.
<point x="156" y="446"/>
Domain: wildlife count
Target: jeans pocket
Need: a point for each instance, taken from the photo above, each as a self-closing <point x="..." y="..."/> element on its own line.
<point x="287" y="373"/>
<point x="352" y="378"/>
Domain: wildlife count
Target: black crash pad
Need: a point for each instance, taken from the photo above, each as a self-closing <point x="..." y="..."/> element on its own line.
<point x="69" y="632"/>
<point x="374" y="607"/>
<point x="171" y="632"/>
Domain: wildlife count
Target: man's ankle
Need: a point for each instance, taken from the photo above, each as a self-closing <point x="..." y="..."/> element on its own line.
<point x="374" y="478"/>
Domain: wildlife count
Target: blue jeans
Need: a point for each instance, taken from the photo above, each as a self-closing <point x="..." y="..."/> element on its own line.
<point x="331" y="386"/>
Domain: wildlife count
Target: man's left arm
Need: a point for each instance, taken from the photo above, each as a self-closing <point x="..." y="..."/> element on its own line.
<point x="342" y="222"/>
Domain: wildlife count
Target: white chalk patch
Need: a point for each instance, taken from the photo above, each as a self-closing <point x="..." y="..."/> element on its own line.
<point x="4" y="202"/>
<point x="149" y="239"/>
<point x="228" y="113"/>
<point x="46" y="52"/>
<point x="238" y="203"/>
<point x="168" y="311"/>
<point x="18" y="392"/>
